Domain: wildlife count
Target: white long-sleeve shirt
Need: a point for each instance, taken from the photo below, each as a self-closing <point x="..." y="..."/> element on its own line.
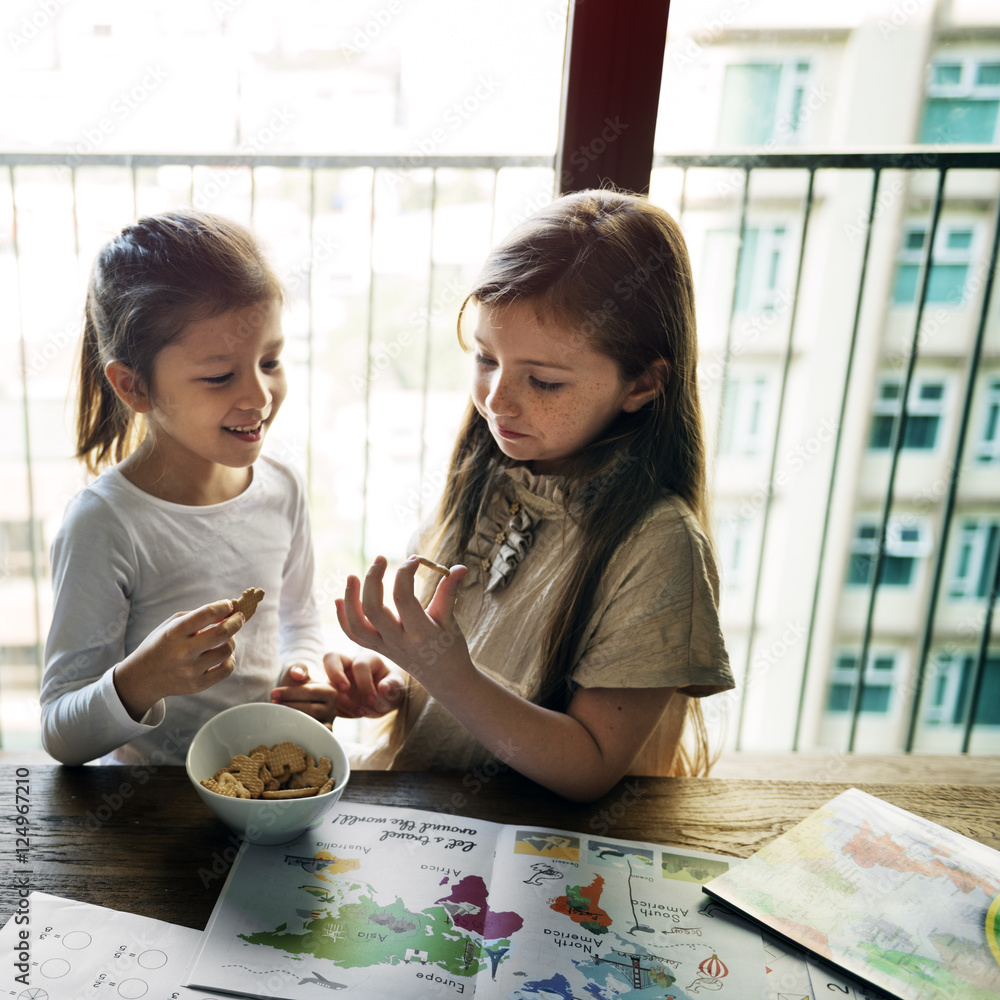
<point x="124" y="561"/>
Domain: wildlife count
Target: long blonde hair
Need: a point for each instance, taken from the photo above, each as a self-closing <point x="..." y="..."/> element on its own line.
<point x="615" y="269"/>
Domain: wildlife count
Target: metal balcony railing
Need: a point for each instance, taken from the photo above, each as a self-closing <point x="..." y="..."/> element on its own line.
<point x="936" y="182"/>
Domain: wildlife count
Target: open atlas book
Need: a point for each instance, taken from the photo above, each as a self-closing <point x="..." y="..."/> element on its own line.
<point x="895" y="900"/>
<point x="391" y="902"/>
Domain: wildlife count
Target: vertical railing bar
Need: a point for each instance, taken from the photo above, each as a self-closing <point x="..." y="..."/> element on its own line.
<point x="253" y="193"/>
<point x="33" y="540"/>
<point x="835" y="462"/>
<point x="134" y="172"/>
<point x="369" y="337"/>
<point x="76" y="213"/>
<point x="493" y="203"/>
<point x="899" y="432"/>
<point x="953" y="478"/>
<point x="310" y="334"/>
<point x="769" y="492"/>
<point x="979" y="671"/>
<point x="682" y="204"/>
<point x="727" y="346"/>
<point x="425" y="378"/>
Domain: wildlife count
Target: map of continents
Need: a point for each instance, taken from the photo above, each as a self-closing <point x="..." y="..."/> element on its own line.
<point x="347" y="925"/>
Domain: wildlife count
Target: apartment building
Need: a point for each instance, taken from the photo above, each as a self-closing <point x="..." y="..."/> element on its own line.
<point x="805" y="459"/>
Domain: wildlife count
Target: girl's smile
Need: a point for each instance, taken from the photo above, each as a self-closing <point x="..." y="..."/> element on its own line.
<point x="214" y="393"/>
<point x="543" y="390"/>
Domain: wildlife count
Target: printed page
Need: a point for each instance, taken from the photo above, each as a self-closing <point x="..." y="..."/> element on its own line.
<point x="788" y="974"/>
<point x="792" y="974"/>
<point x="607" y="918"/>
<point x="830" y="982"/>
<point x="58" y="949"/>
<point x="375" y="902"/>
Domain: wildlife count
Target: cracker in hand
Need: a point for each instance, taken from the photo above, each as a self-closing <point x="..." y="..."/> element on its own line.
<point x="247" y="602"/>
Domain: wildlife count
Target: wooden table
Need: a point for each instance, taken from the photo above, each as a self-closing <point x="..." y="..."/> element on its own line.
<point x="140" y="839"/>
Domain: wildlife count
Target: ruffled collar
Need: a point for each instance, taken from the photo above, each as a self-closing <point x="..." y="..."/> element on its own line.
<point x="522" y="500"/>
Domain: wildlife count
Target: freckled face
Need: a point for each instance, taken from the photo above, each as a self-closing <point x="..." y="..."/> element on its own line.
<point x="544" y="391"/>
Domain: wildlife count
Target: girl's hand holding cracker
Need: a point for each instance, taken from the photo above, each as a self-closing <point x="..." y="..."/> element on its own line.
<point x="187" y="653"/>
<point x="427" y="643"/>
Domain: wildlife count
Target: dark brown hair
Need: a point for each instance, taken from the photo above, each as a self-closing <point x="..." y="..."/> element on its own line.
<point x="614" y="269"/>
<point x="146" y="285"/>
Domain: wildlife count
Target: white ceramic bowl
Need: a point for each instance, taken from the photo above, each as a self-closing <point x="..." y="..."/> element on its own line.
<point x="238" y="730"/>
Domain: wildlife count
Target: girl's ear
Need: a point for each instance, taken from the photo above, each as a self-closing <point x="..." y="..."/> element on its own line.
<point x="649" y="384"/>
<point x="128" y="386"/>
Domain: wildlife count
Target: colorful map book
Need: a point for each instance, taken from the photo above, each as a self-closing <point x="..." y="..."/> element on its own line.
<point x="392" y="902"/>
<point x="898" y="901"/>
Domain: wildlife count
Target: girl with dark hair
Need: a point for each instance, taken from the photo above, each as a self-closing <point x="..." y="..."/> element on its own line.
<point x="180" y="380"/>
<point x="578" y="623"/>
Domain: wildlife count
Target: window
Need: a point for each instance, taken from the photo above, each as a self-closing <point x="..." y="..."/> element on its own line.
<point x="975" y="563"/>
<point x="963" y="96"/>
<point x="906" y="541"/>
<point x="949" y="699"/>
<point x="733" y="552"/>
<point x="876" y="697"/>
<point x="953" y="250"/>
<point x="924" y="411"/>
<point x="762" y="103"/>
<point x="988" y="445"/>
<point x="743" y="404"/>
<point x="15" y="547"/>
<point x="761" y="265"/>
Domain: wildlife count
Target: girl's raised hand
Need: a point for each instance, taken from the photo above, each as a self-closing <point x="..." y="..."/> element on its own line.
<point x="423" y="642"/>
<point x="187" y="653"/>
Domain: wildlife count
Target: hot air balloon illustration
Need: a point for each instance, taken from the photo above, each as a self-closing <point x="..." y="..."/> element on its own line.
<point x="714" y="968"/>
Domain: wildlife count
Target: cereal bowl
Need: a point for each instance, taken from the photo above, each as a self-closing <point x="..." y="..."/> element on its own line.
<point x="238" y="730"/>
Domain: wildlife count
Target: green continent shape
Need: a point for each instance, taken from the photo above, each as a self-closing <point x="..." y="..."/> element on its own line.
<point x="931" y="979"/>
<point x="363" y="934"/>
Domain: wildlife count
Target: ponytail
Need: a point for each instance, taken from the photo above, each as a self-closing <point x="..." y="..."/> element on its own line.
<point x="105" y="426"/>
